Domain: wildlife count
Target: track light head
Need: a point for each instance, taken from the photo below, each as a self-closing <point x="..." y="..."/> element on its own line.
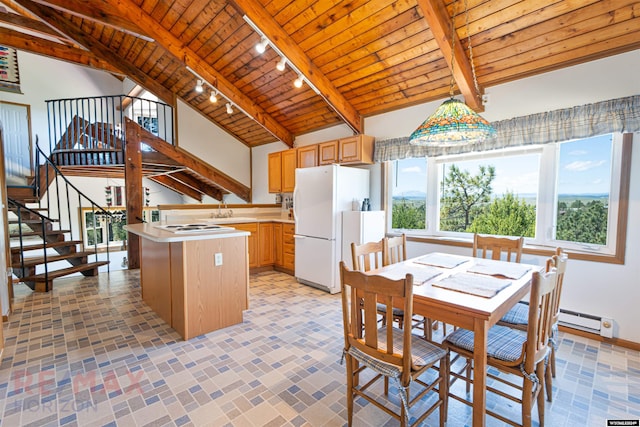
<point x="229" y="109"/>
<point x="298" y="82"/>
<point x="262" y="45"/>
<point x="281" y="64"/>
<point x="214" y="96"/>
<point x="199" y="86"/>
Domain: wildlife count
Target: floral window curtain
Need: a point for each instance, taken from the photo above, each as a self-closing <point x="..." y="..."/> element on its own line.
<point x="616" y="115"/>
<point x="9" y="74"/>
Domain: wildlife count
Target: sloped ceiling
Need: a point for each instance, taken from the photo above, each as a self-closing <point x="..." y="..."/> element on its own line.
<point x="359" y="58"/>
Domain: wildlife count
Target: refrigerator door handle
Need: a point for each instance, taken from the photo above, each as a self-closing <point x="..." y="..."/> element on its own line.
<point x="295" y="203"/>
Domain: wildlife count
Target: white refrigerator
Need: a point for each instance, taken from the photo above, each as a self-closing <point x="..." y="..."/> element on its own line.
<point x="320" y="196"/>
<point x="360" y="227"/>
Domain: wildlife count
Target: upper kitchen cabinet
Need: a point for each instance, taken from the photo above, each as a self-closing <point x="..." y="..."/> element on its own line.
<point x="352" y="150"/>
<point x="282" y="171"/>
<point x="308" y="156"/>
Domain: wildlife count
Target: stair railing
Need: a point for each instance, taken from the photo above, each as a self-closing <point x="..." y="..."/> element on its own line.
<point x="43" y="160"/>
<point x="43" y="221"/>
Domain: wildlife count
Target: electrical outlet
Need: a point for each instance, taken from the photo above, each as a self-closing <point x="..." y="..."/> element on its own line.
<point x="218" y="259"/>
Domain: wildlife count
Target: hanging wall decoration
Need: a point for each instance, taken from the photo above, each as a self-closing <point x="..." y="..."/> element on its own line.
<point x="107" y="195"/>
<point x="9" y="74"/>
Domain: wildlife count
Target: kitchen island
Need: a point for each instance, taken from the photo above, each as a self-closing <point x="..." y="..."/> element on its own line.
<point x="195" y="278"/>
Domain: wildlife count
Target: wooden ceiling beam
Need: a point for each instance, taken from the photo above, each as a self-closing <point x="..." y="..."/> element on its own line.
<point x="56" y="20"/>
<point x="94" y="12"/>
<point x="192" y="162"/>
<point x="55" y="50"/>
<point x="177" y="186"/>
<point x="32" y="25"/>
<point x="294" y="54"/>
<point x="440" y="24"/>
<point x="128" y="10"/>
<point x="198" y="184"/>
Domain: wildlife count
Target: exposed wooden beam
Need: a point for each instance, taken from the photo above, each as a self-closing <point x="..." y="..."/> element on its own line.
<point x="197" y="184"/>
<point x="440" y="25"/>
<point x="52" y="49"/>
<point x="192" y="162"/>
<point x="32" y="25"/>
<point x="177" y="186"/>
<point x="274" y="32"/>
<point x="55" y="19"/>
<point x="93" y="12"/>
<point x="129" y="10"/>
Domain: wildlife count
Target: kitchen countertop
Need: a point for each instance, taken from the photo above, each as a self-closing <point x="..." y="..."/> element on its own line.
<point x="245" y="219"/>
<point x="153" y="232"/>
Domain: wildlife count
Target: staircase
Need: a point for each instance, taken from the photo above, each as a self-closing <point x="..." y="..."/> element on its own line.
<point x="38" y="244"/>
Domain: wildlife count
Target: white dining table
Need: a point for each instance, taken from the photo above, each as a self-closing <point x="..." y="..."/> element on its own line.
<point x="439" y="294"/>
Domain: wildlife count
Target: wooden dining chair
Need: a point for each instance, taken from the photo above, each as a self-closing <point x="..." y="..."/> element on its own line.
<point x="371" y="256"/>
<point x="517" y="317"/>
<point x="514" y="352"/>
<point x="388" y="353"/>
<point x="395" y="250"/>
<point x="495" y="247"/>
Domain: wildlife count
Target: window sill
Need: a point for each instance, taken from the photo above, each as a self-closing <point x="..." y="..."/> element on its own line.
<point x="528" y="249"/>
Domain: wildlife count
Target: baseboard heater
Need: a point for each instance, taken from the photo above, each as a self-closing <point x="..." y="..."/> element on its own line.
<point x="587" y="322"/>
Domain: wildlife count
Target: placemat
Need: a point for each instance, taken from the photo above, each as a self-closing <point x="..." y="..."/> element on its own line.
<point x="441" y="260"/>
<point x="421" y="274"/>
<point x="510" y="270"/>
<point x="482" y="286"/>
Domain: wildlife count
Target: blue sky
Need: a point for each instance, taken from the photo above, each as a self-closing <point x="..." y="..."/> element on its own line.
<point x="585" y="167"/>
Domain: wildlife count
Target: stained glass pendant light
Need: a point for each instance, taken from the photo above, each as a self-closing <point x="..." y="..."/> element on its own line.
<point x="454" y="123"/>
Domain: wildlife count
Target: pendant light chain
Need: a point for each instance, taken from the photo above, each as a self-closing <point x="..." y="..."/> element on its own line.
<point x="453" y="45"/>
<point x="473" y="68"/>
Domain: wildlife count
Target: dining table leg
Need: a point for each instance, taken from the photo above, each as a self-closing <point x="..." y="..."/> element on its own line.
<point x="480" y="331"/>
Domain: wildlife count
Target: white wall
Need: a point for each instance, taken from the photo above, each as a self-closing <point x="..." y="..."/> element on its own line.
<point x="210" y="143"/>
<point x="595" y="288"/>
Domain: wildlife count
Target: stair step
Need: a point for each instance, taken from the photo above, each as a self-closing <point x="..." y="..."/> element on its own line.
<point x="40" y="246"/>
<point x="40" y="280"/>
<point x="33" y="261"/>
<point x="39" y="233"/>
<point x="31" y="221"/>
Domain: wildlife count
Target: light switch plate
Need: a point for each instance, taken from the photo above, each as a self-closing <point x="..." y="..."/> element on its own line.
<point x="218" y="259"/>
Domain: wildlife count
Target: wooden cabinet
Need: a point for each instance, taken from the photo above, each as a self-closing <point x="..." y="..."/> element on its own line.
<point x="352" y="150"/>
<point x="266" y="250"/>
<point x="356" y="149"/>
<point x="289" y="164"/>
<point x="288" y="248"/>
<point x="277" y="237"/>
<point x="282" y="171"/>
<point x="275" y="172"/>
<point x="328" y="152"/>
<point x="253" y="249"/>
<point x="308" y="156"/>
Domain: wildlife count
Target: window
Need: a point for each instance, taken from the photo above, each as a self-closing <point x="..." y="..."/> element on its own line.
<point x="409" y="194"/>
<point x="562" y="194"/>
<point x="99" y="231"/>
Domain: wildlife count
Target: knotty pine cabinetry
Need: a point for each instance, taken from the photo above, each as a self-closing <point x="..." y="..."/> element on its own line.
<point x="270" y="244"/>
<point x="308" y="156"/>
<point x="352" y="150"/>
<point x="282" y="171"/>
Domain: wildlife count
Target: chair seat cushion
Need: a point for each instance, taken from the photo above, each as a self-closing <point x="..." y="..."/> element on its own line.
<point x="397" y="312"/>
<point x="518" y="315"/>
<point x="503" y="343"/>
<point x="422" y="351"/>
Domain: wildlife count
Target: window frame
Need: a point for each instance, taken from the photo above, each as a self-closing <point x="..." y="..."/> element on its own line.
<point x="613" y="252"/>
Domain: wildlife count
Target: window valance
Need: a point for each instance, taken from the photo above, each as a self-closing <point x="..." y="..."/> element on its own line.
<point x="615" y="115"/>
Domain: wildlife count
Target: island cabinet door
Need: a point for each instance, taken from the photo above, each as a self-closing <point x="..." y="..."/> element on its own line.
<point x="210" y="294"/>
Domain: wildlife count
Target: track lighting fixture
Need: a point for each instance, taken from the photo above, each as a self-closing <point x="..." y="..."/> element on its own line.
<point x="214" y="96"/>
<point x="298" y="82"/>
<point x="281" y="64"/>
<point x="229" y="109"/>
<point x="262" y="45"/>
<point x="199" y="86"/>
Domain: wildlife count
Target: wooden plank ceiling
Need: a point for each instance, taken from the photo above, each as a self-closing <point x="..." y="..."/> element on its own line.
<point x="360" y="58"/>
